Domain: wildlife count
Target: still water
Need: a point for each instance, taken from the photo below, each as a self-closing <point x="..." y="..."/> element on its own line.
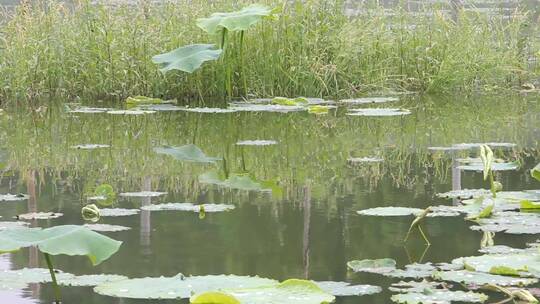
<point x="306" y="228"/>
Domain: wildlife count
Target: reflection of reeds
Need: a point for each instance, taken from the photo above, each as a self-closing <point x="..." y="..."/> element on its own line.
<point x="96" y="51"/>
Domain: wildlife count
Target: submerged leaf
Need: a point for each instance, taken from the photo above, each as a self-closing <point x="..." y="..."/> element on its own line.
<point x="69" y="240"/>
<point x="187" y="58"/>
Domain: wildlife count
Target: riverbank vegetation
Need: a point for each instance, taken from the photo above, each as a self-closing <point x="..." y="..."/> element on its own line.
<point x="92" y="51"/>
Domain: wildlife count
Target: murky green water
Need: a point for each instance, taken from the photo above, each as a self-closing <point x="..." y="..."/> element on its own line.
<point x="306" y="228"/>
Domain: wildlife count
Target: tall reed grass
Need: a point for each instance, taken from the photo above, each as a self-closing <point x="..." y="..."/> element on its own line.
<point x="92" y="51"/>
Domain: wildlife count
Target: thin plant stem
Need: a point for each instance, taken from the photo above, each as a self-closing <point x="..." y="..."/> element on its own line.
<point x="57" y="295"/>
<point x="424" y="235"/>
<point x="492" y="184"/>
<point x="242" y="67"/>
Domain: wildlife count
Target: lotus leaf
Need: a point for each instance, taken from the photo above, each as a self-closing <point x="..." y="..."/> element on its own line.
<point x="188" y="153"/>
<point x="235" y="181"/>
<point x="356" y="160"/>
<point x="502" y="249"/>
<point x="342" y="289"/>
<point x="479" y="278"/>
<point x="380" y="266"/>
<point x="319" y="110"/>
<point x="414" y="271"/>
<point x="368" y="100"/>
<point x="130" y="112"/>
<point x="178" y="286"/>
<point x="90" y="280"/>
<point x="106" y="227"/>
<point x="9" y="225"/>
<point x="189" y="207"/>
<point x="237" y="21"/>
<point x="266" y="108"/>
<point x="503" y="264"/>
<point x="413" y="286"/>
<point x="39" y="216"/>
<point x="90" y="110"/>
<point x="464" y="194"/>
<point x="208" y="110"/>
<point x="143" y="100"/>
<point x="31" y="276"/>
<point x="439" y="297"/>
<point x="143" y="194"/>
<point x="187" y="58"/>
<point x="292" y="291"/>
<point x="69" y="240"/>
<point x="390" y="211"/>
<point x="511" y="223"/>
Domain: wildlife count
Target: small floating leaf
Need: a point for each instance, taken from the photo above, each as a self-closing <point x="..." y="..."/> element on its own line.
<point x="106" y="227"/>
<point x="143" y="194"/>
<point x="380" y="266"/>
<point x="130" y="112"/>
<point x="90" y="280"/>
<point x="187" y="58"/>
<point x="39" y="216"/>
<point x="9" y="225"/>
<point x="439" y="297"/>
<point x="118" y="212"/>
<point x="208" y="110"/>
<point x="378" y="112"/>
<point x="239" y="107"/>
<point x="368" y="100"/>
<point x="391" y="211"/>
<point x="188" y="153"/>
<point x="464" y="194"/>
<point x="31" y="276"/>
<point x="358" y="160"/>
<point x="143" y="100"/>
<point x="319" y="110"/>
<point x="188" y="207"/>
<point x="90" y="110"/>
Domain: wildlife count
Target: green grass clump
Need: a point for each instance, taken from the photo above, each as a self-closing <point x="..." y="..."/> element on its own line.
<point x="93" y="51"/>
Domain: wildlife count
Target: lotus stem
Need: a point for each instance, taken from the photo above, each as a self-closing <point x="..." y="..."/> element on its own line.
<point x="57" y="295"/>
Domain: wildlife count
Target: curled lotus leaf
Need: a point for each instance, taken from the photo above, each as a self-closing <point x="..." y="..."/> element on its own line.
<point x="391" y="211"/>
<point x="13" y="197"/>
<point x="380" y="266"/>
<point x="187" y="153"/>
<point x="143" y="194"/>
<point x="68" y="240"/>
<point x="292" y="291"/>
<point x="113" y="212"/>
<point x="90" y="280"/>
<point x="177" y="287"/>
<point x="237" y="21"/>
<point x="480" y="278"/>
<point x="439" y="297"/>
<point x="187" y="58"/>
<point x="188" y="207"/>
<point x="342" y="289"/>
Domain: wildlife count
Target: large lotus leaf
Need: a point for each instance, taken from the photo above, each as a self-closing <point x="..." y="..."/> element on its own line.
<point x="68" y="239"/>
<point x="535" y="172"/>
<point x="187" y="58"/>
<point x="391" y="211"/>
<point x="178" y="286"/>
<point x="90" y="280"/>
<point x="480" y="278"/>
<point x="380" y="266"/>
<point x="503" y="264"/>
<point x="240" y="20"/>
<point x="511" y="223"/>
<point x="342" y="289"/>
<point x="439" y="297"/>
<point x="291" y="292"/>
<point x="414" y="271"/>
<point x="188" y="153"/>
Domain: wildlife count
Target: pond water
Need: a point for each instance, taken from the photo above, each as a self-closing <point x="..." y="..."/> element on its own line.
<point x="306" y="227"/>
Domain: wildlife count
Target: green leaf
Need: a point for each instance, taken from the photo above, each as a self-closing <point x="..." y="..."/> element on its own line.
<point x="188" y="153"/>
<point x="526" y="204"/>
<point x="187" y="58"/>
<point x="69" y="240"/>
<point x="391" y="211"/>
<point x="504" y="270"/>
<point x="143" y="100"/>
<point x="373" y="266"/>
<point x="535" y="172"/>
<point x="318" y="109"/>
<point x="480" y="278"/>
<point x="439" y="297"/>
<point x="486" y="155"/>
<point x="291" y="291"/>
<point x="500" y="263"/>
<point x="237" y="21"/>
<point x="485" y="213"/>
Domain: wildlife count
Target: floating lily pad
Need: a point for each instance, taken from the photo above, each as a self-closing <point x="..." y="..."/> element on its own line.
<point x="266" y="108"/>
<point x="439" y="297"/>
<point x="178" y="286"/>
<point x="31" y="276"/>
<point x="368" y="100"/>
<point x="12" y="197"/>
<point x="380" y="266"/>
<point x="474" y="165"/>
<point x="209" y="110"/>
<point x="68" y="239"/>
<point x="106" y="227"/>
<point x="413" y="286"/>
<point x="256" y="143"/>
<point x="378" y="112"/>
<point x="130" y="112"/>
<point x="502" y="249"/>
<point x="291" y="292"/>
<point x="9" y="225"/>
<point x="187" y="153"/>
<point x="90" y="110"/>
<point x="143" y="194"/>
<point x="479" y="278"/>
<point x="39" y="216"/>
<point x="113" y="212"/>
<point x="390" y="211"/>
<point x="90" y="280"/>
<point x="90" y="146"/>
<point x="12" y="285"/>
<point x="511" y="223"/>
<point x="161" y="107"/>
<point x="413" y="271"/>
<point x="358" y="160"/>
<point x="465" y="146"/>
<point x="465" y="193"/>
<point x="503" y="264"/>
<point x="144" y="100"/>
<point x="342" y="289"/>
<point x="188" y="207"/>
